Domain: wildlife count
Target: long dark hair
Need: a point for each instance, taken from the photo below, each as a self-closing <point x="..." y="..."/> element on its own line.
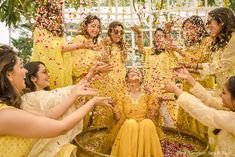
<point x="8" y="93"/>
<point x="122" y="43"/>
<point x="230" y="85"/>
<point x="33" y="68"/>
<point x="198" y="22"/>
<point x="226" y="18"/>
<point x="83" y="27"/>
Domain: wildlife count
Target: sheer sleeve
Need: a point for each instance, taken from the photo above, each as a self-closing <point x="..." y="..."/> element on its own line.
<point x="206" y="97"/>
<point x="206" y="115"/>
<point x="44" y="100"/>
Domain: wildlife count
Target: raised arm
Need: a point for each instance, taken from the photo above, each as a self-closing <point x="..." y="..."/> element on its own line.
<point x="17" y="122"/>
<point x="54" y="104"/>
<point x="198" y="90"/>
<point x="139" y="39"/>
<point x="206" y="115"/>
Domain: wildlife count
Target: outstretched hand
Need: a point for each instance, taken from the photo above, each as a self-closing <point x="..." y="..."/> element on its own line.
<point x="90" y="45"/>
<point x="103" y="68"/>
<point x="81" y="89"/>
<point x="182" y="72"/>
<point x="106" y="101"/>
<point x="136" y="29"/>
<point x="169" y="87"/>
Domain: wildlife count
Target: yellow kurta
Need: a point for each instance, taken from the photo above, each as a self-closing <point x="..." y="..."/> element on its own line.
<point x="83" y="60"/>
<point x="159" y="71"/>
<point x="137" y="136"/>
<point x="42" y="101"/>
<point x="12" y="146"/>
<point x="116" y="78"/>
<point x="211" y="117"/>
<point x="47" y="49"/>
<point x="197" y="53"/>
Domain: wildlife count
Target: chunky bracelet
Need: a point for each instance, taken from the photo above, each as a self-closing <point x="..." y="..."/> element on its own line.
<point x="139" y="36"/>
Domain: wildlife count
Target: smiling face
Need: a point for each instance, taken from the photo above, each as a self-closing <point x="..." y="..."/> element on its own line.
<point x="134" y="76"/>
<point x="17" y="75"/>
<point x="42" y="80"/>
<point x="93" y="28"/>
<point x="214" y="27"/>
<point x="190" y="32"/>
<point x="227" y="99"/>
<point x="159" y="36"/>
<point x="116" y="34"/>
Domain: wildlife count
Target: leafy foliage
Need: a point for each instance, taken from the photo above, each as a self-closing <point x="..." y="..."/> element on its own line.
<point x="232" y="4"/>
<point x="24" y="46"/>
<point x="13" y="11"/>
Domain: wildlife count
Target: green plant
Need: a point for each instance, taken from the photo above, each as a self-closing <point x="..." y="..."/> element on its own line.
<point x="24" y="46"/>
<point x="232" y="4"/>
<point x="12" y="12"/>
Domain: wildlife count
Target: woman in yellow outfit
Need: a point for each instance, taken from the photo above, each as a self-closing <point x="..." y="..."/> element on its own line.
<point x="138" y="135"/>
<point x="117" y="56"/>
<point x="18" y="127"/>
<point x="83" y="59"/>
<point x="159" y="60"/>
<point x="49" y="43"/>
<point x="221" y="22"/>
<point x="114" y="82"/>
<point x="212" y="111"/>
<point x="197" y="50"/>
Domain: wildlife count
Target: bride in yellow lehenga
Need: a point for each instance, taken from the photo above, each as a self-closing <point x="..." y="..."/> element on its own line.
<point x="138" y="136"/>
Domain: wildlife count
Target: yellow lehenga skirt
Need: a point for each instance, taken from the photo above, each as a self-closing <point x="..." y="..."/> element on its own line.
<point x="137" y="139"/>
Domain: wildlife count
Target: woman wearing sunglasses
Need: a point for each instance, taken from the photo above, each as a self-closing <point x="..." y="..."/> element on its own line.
<point x="116" y="55"/>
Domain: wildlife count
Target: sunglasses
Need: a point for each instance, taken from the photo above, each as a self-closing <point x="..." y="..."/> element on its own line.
<point x="116" y="32"/>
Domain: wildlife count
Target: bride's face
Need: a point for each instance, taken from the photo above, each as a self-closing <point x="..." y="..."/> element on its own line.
<point x="134" y="75"/>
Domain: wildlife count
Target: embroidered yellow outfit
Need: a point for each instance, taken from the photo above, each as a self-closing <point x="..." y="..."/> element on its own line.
<point x="137" y="136"/>
<point x="158" y="70"/>
<point x="83" y="60"/>
<point x="13" y="146"/>
<point x="198" y="53"/>
<point x="47" y="49"/>
<point x="42" y="101"/>
<point x="211" y="116"/>
<point x="116" y="78"/>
